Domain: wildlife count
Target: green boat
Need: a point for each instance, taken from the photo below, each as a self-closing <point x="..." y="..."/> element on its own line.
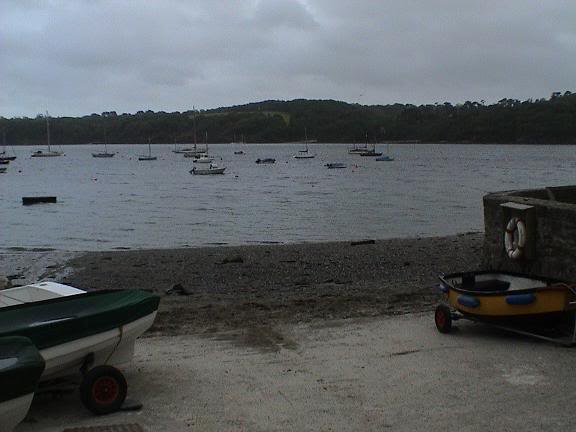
<point x="21" y="366"/>
<point x="81" y="333"/>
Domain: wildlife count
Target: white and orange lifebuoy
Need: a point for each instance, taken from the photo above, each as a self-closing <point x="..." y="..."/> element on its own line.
<point x="515" y="238"/>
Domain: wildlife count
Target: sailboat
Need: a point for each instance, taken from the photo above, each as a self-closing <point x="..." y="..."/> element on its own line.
<point x="304" y="154"/>
<point x="195" y="153"/>
<point x="149" y="157"/>
<point x="359" y="149"/>
<point x="240" y="152"/>
<point x="204" y="157"/>
<point x="212" y="169"/>
<point x="180" y="149"/>
<point x="3" y="157"/>
<point x="105" y="153"/>
<point x="369" y="153"/>
<point x="49" y="153"/>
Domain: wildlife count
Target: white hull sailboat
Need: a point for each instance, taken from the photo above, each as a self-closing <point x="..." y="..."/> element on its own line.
<point x="212" y="169"/>
<point x="195" y="153"/>
<point x="304" y="154"/>
<point x="49" y="152"/>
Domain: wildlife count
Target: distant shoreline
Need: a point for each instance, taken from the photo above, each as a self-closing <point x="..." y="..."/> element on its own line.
<point x="301" y="142"/>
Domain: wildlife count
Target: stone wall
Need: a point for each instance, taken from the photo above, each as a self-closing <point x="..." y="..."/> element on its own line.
<point x="551" y="228"/>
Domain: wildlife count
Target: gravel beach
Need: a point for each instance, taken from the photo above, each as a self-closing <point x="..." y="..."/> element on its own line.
<point x="247" y="291"/>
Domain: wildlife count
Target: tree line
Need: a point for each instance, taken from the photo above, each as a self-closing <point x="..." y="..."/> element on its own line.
<point x="550" y="121"/>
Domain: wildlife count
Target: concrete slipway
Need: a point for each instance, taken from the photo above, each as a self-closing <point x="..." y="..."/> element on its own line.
<point x="381" y="374"/>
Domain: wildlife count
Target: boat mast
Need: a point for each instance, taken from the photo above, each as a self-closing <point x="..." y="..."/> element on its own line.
<point x="194" y="126"/>
<point x="48" y="130"/>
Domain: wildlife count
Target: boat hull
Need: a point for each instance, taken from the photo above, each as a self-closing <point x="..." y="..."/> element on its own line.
<point x="51" y="154"/>
<point x="13" y="411"/>
<point x="102" y="325"/>
<point x="21" y="366"/>
<point x="194" y="154"/>
<point x="212" y="171"/>
<point x="114" y="347"/>
<point x="499" y="299"/>
<point x="102" y="155"/>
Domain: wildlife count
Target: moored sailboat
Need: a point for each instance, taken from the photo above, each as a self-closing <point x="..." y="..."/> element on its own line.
<point x="3" y="154"/>
<point x="49" y="152"/>
<point x="149" y="157"/>
<point x="212" y="169"/>
<point x="105" y="153"/>
<point x="304" y="154"/>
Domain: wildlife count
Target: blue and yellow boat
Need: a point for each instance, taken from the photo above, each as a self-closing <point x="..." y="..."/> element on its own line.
<point x="504" y="299"/>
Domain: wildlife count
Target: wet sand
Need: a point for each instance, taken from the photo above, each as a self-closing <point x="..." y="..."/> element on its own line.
<point x="253" y="289"/>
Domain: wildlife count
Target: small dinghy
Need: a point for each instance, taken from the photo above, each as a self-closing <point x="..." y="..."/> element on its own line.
<point x="385" y="158"/>
<point x="265" y="161"/>
<point x="507" y="300"/>
<point x="80" y="333"/>
<point x="335" y="165"/>
<point x="21" y="366"/>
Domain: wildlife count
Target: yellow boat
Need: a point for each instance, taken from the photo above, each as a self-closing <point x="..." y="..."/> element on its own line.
<point x="503" y="299"/>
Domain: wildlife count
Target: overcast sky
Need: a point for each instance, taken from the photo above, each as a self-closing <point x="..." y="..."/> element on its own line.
<point x="77" y="57"/>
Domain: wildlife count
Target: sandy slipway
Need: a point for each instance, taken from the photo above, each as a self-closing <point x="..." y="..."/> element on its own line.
<point x="252" y="289"/>
<point x="370" y="374"/>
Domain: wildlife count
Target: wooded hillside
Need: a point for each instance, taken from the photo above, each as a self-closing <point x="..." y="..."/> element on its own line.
<point x="550" y="121"/>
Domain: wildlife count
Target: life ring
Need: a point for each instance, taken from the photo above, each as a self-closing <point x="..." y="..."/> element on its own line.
<point x="515" y="249"/>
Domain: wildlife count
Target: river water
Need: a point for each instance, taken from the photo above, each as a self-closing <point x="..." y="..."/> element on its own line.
<point x="121" y="202"/>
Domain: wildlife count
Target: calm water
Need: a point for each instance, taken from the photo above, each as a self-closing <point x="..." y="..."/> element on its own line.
<point x="121" y="202"/>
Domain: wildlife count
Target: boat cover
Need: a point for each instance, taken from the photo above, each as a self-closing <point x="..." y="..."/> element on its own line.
<point x="56" y="321"/>
<point x="21" y="366"/>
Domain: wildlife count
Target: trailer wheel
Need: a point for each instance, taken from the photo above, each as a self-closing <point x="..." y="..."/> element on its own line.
<point x="103" y="390"/>
<point x="443" y="319"/>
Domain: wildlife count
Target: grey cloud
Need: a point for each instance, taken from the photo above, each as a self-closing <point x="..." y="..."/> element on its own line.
<point x="77" y="57"/>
